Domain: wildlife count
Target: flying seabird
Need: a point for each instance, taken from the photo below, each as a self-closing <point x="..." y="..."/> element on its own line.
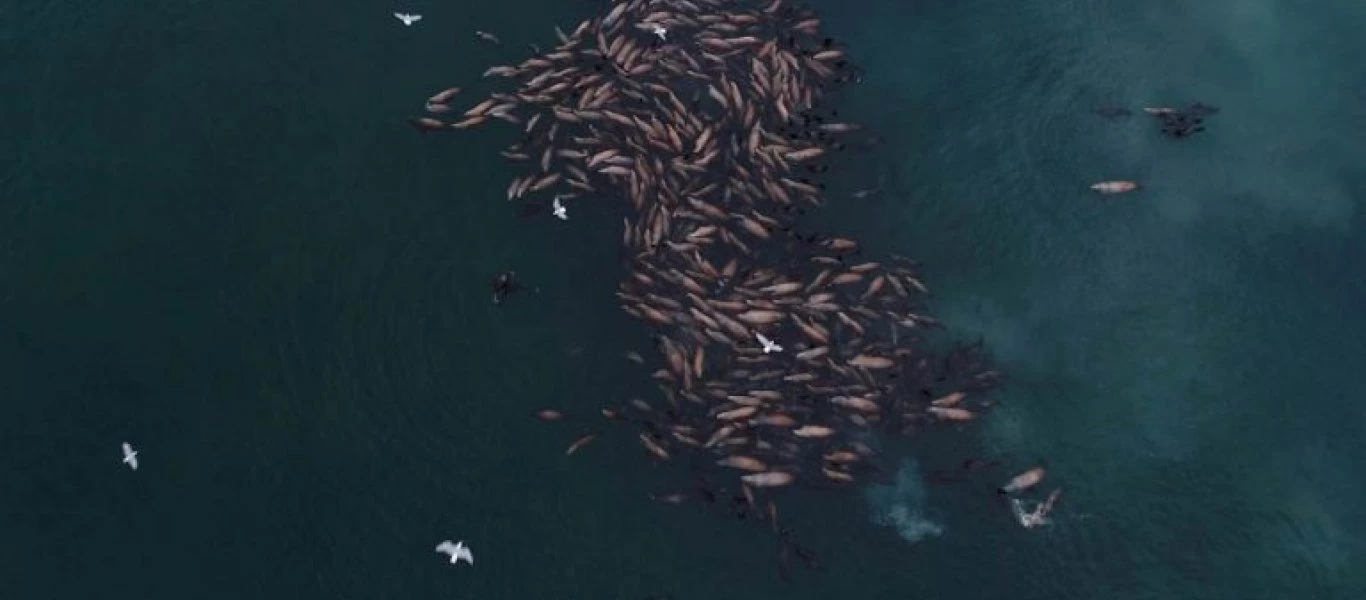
<point x="488" y="37"/>
<point x="558" y="208"/>
<point x="769" y="345"/>
<point x="407" y="19"/>
<point x="458" y="551"/>
<point x="660" y="31"/>
<point x="130" y="456"/>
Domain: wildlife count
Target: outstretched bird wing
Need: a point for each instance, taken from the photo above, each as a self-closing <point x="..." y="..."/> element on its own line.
<point x="446" y="547"/>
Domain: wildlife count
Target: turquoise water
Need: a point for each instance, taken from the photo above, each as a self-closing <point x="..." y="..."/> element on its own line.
<point x="220" y="242"/>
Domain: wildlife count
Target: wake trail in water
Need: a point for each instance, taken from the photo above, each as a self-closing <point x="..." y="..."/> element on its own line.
<point x="902" y="505"/>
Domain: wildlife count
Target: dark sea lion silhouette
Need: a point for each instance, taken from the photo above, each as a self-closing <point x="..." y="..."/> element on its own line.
<point x="505" y="285"/>
<point x="1200" y="109"/>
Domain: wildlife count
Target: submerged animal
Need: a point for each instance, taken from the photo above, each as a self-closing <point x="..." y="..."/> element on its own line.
<point x="505" y="285"/>
<point x="1183" y="123"/>
<point x="1200" y="109"/>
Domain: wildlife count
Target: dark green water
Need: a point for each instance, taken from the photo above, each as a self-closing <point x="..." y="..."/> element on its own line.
<point x="219" y="242"/>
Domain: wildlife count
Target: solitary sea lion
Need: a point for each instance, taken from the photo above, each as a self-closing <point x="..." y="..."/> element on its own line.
<point x="865" y="193"/>
<point x="1200" y="109"/>
<point x="1114" y="187"/>
<point x="579" y="443"/>
<point x="1023" y="481"/>
<point x="674" y="498"/>
<point x="505" y="285"/>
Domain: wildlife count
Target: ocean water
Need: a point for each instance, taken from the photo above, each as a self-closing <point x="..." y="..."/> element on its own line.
<point x="220" y="242"/>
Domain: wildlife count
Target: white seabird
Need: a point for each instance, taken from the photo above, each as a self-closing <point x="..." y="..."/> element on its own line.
<point x="769" y="345"/>
<point x="130" y="456"/>
<point x="558" y="208"/>
<point x="458" y="551"/>
<point x="1027" y="519"/>
<point x="407" y="19"/>
<point x="1039" y="516"/>
<point x="660" y="31"/>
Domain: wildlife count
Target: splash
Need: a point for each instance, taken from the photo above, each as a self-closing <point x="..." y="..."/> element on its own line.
<point x="902" y="505"/>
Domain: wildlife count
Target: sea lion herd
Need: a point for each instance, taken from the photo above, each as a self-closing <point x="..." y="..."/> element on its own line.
<point x="713" y="136"/>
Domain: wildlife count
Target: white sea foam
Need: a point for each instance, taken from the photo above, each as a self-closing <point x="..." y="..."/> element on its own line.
<point x="902" y="505"/>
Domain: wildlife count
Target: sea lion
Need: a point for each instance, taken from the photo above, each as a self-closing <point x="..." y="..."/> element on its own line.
<point x="443" y="96"/>
<point x="1200" y="109"/>
<point x="579" y="443"/>
<point x="768" y="479"/>
<point x="1114" y="187"/>
<point x="1023" y="481"/>
<point x="813" y="431"/>
<point x="427" y="124"/>
<point x="673" y="498"/>
<point x="505" y="285"/>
